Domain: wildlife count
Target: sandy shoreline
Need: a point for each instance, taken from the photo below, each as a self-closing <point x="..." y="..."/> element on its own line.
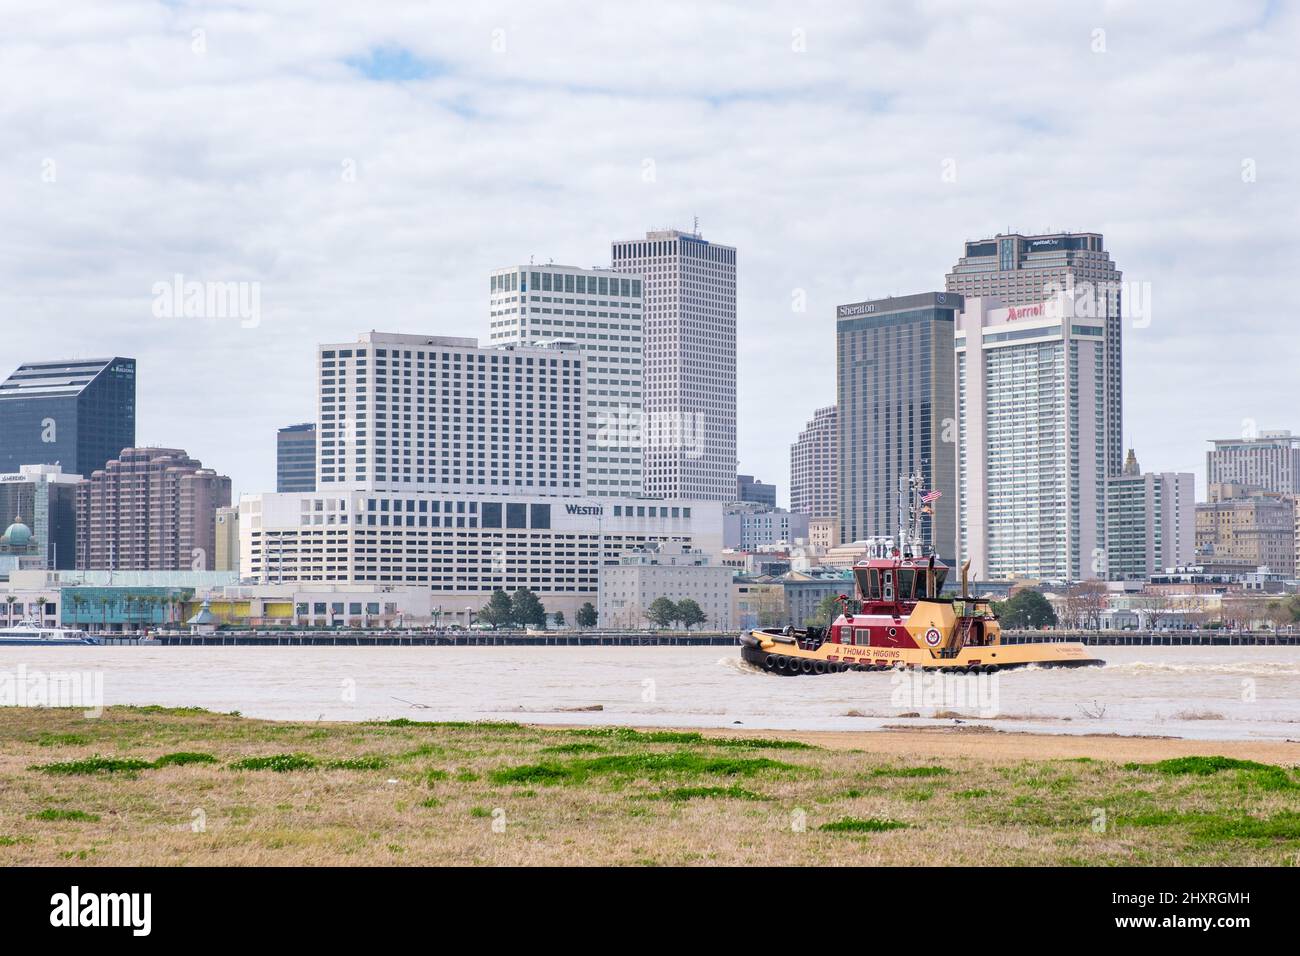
<point x="1011" y="746"/>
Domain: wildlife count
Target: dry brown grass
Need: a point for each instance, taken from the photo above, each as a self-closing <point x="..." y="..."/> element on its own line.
<point x="435" y="799"/>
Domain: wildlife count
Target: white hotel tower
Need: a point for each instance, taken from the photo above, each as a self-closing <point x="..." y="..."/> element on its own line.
<point x="436" y="413"/>
<point x="690" y="362"/>
<point x="598" y="312"/>
<point x="1031" y="443"/>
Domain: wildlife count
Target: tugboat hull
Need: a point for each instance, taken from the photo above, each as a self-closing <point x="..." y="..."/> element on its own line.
<point x="769" y="653"/>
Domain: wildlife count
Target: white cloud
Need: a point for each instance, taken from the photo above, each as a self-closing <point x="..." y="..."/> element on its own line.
<point x="822" y="167"/>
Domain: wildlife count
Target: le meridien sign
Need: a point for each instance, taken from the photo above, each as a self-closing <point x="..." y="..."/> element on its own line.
<point x="584" y="509"/>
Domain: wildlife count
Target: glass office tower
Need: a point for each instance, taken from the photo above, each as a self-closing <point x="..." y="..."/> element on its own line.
<point x="79" y="414"/>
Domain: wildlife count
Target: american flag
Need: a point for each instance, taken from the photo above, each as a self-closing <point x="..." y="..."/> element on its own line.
<point x="931" y="496"/>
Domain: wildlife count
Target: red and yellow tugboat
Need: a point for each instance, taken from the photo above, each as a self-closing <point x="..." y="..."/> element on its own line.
<point x="904" y="621"/>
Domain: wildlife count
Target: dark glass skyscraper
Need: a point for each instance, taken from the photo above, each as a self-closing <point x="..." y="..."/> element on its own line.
<point x="79" y="414"/>
<point x="295" y="458"/>
<point x="896" y="415"/>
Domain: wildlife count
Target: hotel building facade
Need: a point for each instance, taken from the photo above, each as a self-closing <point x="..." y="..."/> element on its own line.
<point x="431" y="413"/>
<point x="894" y="378"/>
<point x="600" y="313"/>
<point x="462" y="546"/>
<point x="1031" y="441"/>
<point x="1024" y="270"/>
<point x="690" y="362"/>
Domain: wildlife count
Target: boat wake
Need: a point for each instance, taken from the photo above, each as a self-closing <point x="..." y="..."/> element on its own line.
<point x="1234" y="668"/>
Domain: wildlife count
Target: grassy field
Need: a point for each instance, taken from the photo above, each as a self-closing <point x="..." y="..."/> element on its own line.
<point x="165" y="786"/>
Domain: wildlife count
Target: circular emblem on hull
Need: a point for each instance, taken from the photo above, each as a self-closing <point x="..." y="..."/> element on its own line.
<point x="933" y="637"/>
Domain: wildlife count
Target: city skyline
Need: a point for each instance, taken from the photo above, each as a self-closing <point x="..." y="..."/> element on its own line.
<point x="345" y="223"/>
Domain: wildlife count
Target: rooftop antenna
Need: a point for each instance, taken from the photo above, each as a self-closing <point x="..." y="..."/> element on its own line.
<point x="697" y="227"/>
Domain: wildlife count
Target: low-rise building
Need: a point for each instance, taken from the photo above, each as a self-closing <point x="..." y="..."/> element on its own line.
<point x="751" y="530"/>
<point x="642" y="577"/>
<point x="758" y="602"/>
<point x="463" y="546"/>
<point x="1243" y="527"/>
<point x="804" y="594"/>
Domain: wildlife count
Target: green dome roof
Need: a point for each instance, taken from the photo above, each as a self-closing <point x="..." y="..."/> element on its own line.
<point x="17" y="535"/>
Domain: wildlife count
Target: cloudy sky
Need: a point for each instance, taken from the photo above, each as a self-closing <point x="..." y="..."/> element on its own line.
<point x="368" y="166"/>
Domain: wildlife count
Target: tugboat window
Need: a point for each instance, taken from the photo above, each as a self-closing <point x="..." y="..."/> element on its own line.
<point x="888" y="589"/>
<point x="906" y="580"/>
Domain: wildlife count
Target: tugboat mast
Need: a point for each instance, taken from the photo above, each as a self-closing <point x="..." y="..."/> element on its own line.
<point x="910" y="544"/>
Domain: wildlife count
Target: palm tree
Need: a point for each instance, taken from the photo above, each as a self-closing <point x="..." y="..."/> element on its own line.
<point x="78" y="602"/>
<point x="40" y="608"/>
<point x="10" y="600"/>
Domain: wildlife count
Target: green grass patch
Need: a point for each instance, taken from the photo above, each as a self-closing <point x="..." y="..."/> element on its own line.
<point x="911" y="772"/>
<point x="357" y="763"/>
<point x="183" y="758"/>
<point x="1200" y="766"/>
<point x="62" y="740"/>
<point x="1280" y="826"/>
<point x="92" y="765"/>
<point x="867" y="825"/>
<point x="480" y="812"/>
<point x="973" y="794"/>
<point x="574" y="749"/>
<point x="679" y="794"/>
<point x="53" y="813"/>
<point x="280" y="763"/>
<point x="682" y="762"/>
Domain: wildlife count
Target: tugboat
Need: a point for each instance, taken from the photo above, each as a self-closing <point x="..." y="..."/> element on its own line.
<point x="903" y="621"/>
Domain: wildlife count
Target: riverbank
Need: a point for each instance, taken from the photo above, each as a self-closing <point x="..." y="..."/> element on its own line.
<point x="161" y="786"/>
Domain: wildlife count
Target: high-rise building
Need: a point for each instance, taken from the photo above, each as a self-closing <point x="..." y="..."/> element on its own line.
<point x="749" y="488"/>
<point x="690" y="362"/>
<point x="1150" y="522"/>
<point x="814" y="466"/>
<point x="227" y="539"/>
<point x="599" y="312"/>
<point x="1243" y="528"/>
<point x="1270" y="461"/>
<point x="894" y="375"/>
<point x="295" y="458"/>
<point x="38" y="503"/>
<point x="1031" y="441"/>
<point x="430" y="413"/>
<point x="150" y="509"/>
<point x="77" y="414"/>
<point x="1024" y="270"/>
